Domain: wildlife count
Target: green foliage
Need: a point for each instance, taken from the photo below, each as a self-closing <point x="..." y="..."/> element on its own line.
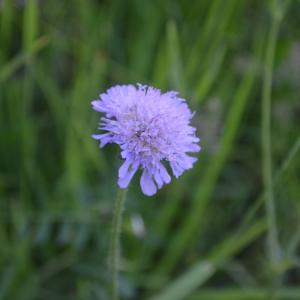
<point x="205" y="235"/>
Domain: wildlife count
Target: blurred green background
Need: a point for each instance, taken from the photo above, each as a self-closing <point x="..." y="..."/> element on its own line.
<point x="212" y="234"/>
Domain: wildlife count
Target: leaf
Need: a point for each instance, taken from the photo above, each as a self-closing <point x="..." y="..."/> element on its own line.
<point x="187" y="283"/>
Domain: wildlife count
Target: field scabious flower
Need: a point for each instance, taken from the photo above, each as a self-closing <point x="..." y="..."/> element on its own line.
<point x="150" y="127"/>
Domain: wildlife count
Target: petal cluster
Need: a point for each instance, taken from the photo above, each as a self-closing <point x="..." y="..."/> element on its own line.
<point x="151" y="128"/>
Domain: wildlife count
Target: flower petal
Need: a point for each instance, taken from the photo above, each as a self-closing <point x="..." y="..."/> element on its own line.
<point x="104" y="138"/>
<point x="147" y="184"/>
<point x="193" y="148"/>
<point x="123" y="170"/>
<point x="124" y="181"/>
<point x="158" y="179"/>
<point x="164" y="174"/>
<point x="177" y="170"/>
<point x="98" y="105"/>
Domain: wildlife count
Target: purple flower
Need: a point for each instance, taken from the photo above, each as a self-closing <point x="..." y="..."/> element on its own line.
<point x="150" y="127"/>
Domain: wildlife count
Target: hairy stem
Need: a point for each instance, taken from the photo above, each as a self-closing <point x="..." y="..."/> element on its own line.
<point x="115" y="242"/>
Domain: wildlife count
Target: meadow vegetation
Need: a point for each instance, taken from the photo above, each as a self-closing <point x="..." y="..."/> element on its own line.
<point x="227" y="229"/>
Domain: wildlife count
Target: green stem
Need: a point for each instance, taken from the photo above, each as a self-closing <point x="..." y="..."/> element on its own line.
<point x="266" y="141"/>
<point x="272" y="237"/>
<point x="115" y="243"/>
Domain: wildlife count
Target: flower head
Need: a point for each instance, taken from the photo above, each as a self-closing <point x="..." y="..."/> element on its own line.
<point x="151" y="128"/>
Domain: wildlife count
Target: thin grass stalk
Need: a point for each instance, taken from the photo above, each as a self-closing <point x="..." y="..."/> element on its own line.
<point x="273" y="243"/>
<point x="273" y="246"/>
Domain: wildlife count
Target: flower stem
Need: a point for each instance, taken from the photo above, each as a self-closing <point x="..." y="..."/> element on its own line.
<point x="273" y="245"/>
<point x="115" y="242"/>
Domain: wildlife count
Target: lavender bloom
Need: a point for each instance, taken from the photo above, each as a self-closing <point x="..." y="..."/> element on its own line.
<point x="150" y="127"/>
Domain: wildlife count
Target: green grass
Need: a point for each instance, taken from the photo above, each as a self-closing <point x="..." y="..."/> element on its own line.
<point x="229" y="228"/>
